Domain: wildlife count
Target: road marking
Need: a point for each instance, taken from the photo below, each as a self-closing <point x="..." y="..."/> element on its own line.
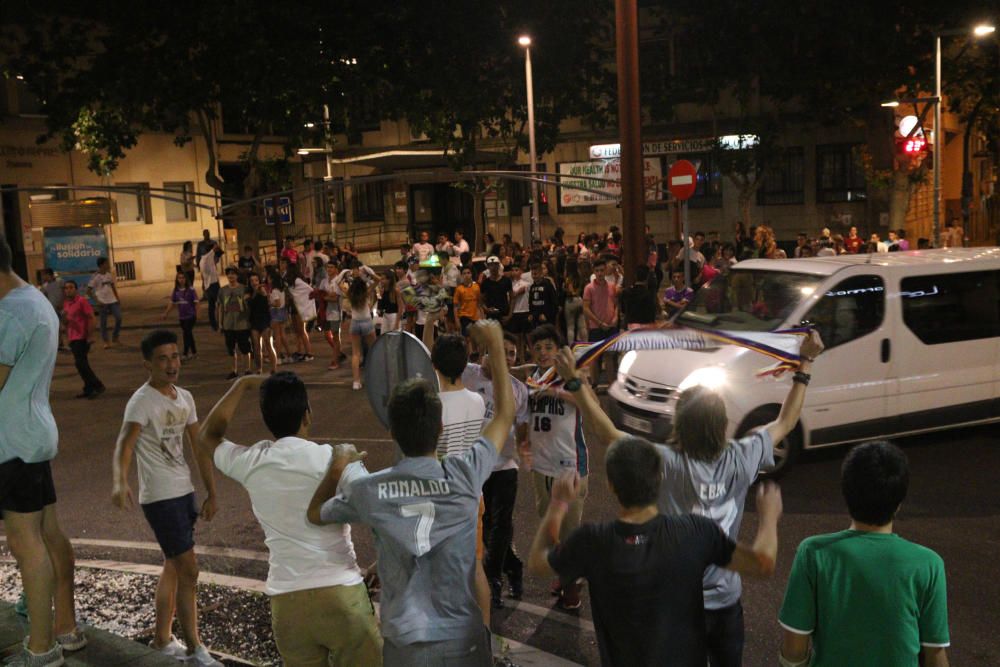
<point x="224" y="552"/>
<point x="551" y="614"/>
<point x="524" y="654"/>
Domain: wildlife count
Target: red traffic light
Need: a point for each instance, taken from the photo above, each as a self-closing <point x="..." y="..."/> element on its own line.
<point x="914" y="145"/>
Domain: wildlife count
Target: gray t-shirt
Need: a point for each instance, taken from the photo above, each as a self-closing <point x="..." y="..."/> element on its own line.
<point x="235" y="303"/>
<point x="717" y="490"/>
<point x="423" y="513"/>
<point x="29" y="336"/>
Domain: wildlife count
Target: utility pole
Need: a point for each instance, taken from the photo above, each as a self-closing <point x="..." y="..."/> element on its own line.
<point x="629" y="130"/>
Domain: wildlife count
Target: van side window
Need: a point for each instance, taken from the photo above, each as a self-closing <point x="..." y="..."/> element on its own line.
<point x="951" y="307"/>
<point x="854" y="308"/>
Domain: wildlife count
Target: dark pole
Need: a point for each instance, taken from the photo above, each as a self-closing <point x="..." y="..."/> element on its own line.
<point x="278" y="231"/>
<point x="629" y="129"/>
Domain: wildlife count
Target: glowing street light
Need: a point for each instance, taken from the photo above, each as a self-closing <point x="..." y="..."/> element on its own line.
<point x="525" y="42"/>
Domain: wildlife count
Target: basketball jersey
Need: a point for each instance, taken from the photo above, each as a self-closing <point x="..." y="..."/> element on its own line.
<point x="556" y="434"/>
<point x="423" y="513"/>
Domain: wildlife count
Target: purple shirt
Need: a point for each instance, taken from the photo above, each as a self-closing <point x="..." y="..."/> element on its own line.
<point x="186" y="301"/>
<point x="678" y="295"/>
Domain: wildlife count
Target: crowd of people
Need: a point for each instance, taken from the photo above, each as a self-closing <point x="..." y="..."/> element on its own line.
<point x="663" y="578"/>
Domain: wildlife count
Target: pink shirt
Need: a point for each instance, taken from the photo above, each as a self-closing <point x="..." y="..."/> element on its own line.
<point x="79" y="315"/>
<point x="602" y="303"/>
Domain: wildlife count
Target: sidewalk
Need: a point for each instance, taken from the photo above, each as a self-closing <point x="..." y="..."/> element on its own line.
<point x="103" y="649"/>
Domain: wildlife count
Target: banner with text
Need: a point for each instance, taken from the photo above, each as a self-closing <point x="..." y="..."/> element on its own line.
<point x="576" y="175"/>
<point x="72" y="252"/>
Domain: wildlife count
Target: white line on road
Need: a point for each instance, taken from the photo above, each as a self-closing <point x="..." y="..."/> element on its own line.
<point x="224" y="552"/>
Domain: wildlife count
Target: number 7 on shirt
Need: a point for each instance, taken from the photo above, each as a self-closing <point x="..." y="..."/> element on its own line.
<point x="422" y="532"/>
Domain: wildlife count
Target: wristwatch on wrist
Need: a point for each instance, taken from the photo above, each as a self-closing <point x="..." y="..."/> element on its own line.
<point x="573" y="385"/>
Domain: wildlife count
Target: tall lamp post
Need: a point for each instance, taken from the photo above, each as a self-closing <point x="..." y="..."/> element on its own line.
<point x="525" y="42"/>
<point x="978" y="31"/>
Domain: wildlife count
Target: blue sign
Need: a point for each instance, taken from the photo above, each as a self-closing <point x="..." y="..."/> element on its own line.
<point x="284" y="210"/>
<point x="72" y="252"/>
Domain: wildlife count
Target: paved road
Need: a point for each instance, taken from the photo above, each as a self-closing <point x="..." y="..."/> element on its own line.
<point x="953" y="507"/>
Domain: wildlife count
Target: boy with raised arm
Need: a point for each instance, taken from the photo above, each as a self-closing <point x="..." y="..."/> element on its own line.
<point x="423" y="513"/>
<point x="320" y="610"/>
<point x="157" y="418"/>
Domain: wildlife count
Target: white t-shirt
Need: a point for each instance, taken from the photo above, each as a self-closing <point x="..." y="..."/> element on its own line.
<point x="556" y="435"/>
<point x="159" y="452"/>
<point x="475" y="380"/>
<point x="423" y="250"/>
<point x="103" y="286"/>
<point x="209" y="271"/>
<point x="520" y="304"/>
<point x="462" y="415"/>
<point x="281" y="477"/>
<point x="462" y="247"/>
<point x="332" y="307"/>
<point x="304" y="305"/>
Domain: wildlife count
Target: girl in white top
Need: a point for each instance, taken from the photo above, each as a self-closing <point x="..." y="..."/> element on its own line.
<point x="279" y="315"/>
<point x="305" y="312"/>
<point x="330" y="287"/>
<point x="360" y="293"/>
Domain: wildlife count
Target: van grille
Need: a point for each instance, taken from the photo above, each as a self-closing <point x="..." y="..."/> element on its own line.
<point x="648" y="391"/>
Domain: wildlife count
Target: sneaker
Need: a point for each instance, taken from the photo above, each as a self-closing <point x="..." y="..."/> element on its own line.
<point x="172" y="649"/>
<point x="97" y="392"/>
<point x="496" y="593"/>
<point x="333" y="367"/>
<point x="203" y="658"/>
<point x="355" y="386"/>
<point x="72" y="641"/>
<point x="516" y="581"/>
<point x="307" y="357"/>
<point x="232" y="376"/>
<point x="296" y="357"/>
<point x="25" y="658"/>
<point x="569" y="599"/>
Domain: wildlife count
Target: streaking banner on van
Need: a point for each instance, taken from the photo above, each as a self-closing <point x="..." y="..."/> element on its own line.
<point x="781" y="346"/>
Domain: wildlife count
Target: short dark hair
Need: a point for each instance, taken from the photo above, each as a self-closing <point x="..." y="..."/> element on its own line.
<point x="231" y="269"/>
<point x="101" y="260"/>
<point x="598" y="262"/>
<point x="874" y="480"/>
<point x="450" y="356"/>
<point x="70" y="281"/>
<point x="6" y="256"/>
<point x="49" y="272"/>
<point x="635" y="471"/>
<point x="545" y="332"/>
<point x="415" y="416"/>
<point x="283" y="403"/>
<point x="510" y="338"/>
<point x="642" y="273"/>
<point x="701" y="234"/>
<point x="535" y="264"/>
<point x="155" y="339"/>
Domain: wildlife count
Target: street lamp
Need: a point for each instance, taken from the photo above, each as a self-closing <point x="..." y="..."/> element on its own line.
<point x="525" y="42"/>
<point x="978" y="31"/>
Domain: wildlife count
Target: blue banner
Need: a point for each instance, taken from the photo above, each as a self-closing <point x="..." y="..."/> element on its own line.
<point x="72" y="252"/>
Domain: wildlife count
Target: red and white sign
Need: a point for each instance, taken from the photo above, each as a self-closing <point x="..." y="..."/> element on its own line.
<point x="682" y="179"/>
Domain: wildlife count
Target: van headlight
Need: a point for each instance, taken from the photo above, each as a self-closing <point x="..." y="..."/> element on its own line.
<point x="710" y="377"/>
<point x="626" y="364"/>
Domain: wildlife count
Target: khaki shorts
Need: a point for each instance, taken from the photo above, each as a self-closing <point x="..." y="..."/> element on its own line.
<point x="543" y="493"/>
<point x="320" y="627"/>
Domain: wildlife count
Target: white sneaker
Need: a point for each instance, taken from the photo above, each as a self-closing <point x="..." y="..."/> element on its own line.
<point x="172" y="648"/>
<point x="203" y="658"/>
<point x="355" y="386"/>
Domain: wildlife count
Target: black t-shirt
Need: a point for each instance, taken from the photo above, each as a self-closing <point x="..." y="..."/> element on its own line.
<point x="246" y="264"/>
<point x="543" y="300"/>
<point x="645" y="586"/>
<point x="496" y="293"/>
<point x="260" y="310"/>
<point x="638" y="305"/>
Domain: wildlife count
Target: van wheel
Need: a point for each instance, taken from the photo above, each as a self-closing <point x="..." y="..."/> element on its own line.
<point x="785" y="452"/>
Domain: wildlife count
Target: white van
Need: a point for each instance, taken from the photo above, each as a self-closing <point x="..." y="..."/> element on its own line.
<point x="912" y="345"/>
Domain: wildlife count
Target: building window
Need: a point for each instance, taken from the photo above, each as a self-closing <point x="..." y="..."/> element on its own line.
<point x="325" y="199"/>
<point x="952" y="307"/>
<point x="133" y="206"/>
<point x="708" y="194"/>
<point x="784" y="179"/>
<point x="839" y="174"/>
<point x="369" y="201"/>
<point x="180" y="206"/>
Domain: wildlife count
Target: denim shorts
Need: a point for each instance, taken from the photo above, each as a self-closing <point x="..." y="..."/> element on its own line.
<point x="362" y="327"/>
<point x="172" y="521"/>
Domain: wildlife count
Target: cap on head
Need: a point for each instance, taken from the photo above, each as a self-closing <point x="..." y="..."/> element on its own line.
<point x="492" y="259"/>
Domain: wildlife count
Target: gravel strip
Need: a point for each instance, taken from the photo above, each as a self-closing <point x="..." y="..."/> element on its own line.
<point x="230" y="620"/>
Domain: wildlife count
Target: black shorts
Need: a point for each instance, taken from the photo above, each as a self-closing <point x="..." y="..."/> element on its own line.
<point x="260" y="324"/>
<point x="596" y="335"/>
<point x="237" y="338"/>
<point x="25" y="487"/>
<point x="172" y="521"/>
<point x="465" y="323"/>
<point x="519" y="323"/>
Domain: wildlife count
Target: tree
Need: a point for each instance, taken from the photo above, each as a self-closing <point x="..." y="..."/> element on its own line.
<point x="457" y="75"/>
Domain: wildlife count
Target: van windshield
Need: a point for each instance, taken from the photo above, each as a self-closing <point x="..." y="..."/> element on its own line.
<point x="748" y="300"/>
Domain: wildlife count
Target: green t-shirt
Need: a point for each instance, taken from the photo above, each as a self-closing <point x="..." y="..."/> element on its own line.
<point x="867" y="599"/>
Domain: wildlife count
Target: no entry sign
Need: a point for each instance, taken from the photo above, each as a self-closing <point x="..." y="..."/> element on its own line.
<point x="682" y="179"/>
